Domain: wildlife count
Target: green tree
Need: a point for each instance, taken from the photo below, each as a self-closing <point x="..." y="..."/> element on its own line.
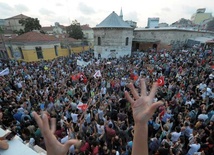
<point x="210" y="25"/>
<point x="30" y="24"/>
<point x="74" y="30"/>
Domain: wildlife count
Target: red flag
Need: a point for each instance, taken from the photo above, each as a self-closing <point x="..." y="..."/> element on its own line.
<point x="82" y="107"/>
<point x="160" y="81"/>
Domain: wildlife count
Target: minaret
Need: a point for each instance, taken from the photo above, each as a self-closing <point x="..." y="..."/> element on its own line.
<point x="121" y="13"/>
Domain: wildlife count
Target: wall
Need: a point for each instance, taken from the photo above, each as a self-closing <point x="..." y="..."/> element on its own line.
<point x="90" y="36"/>
<point x="13" y="24"/>
<point x="79" y="49"/>
<point x="112" y="40"/>
<point x="167" y="37"/>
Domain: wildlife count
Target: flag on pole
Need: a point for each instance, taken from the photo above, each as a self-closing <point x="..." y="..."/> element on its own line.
<point x="5" y="72"/>
<point x="97" y="74"/>
<point x="82" y="106"/>
<point x="160" y="81"/>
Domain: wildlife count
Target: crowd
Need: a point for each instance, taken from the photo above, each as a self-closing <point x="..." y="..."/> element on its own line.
<point x="93" y="108"/>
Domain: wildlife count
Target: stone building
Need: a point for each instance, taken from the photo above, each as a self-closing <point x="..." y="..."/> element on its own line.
<point x="164" y="38"/>
<point x="112" y="37"/>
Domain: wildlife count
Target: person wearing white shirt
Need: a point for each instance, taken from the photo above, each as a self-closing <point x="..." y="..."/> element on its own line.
<point x="202" y="86"/>
<point x="194" y="147"/>
<point x="103" y="91"/>
<point x="100" y="128"/>
<point x="176" y="134"/>
<point x="74" y="117"/>
<point x="203" y="116"/>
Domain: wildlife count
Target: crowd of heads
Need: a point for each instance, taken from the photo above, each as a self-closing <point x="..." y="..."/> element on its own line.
<point x="61" y="88"/>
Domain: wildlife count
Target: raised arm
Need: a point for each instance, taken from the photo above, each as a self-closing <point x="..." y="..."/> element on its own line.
<point x="142" y="108"/>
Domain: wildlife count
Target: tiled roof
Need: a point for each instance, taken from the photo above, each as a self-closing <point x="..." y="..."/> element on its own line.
<point x="85" y="27"/>
<point x="20" y="16"/>
<point x="113" y="21"/>
<point x="32" y="37"/>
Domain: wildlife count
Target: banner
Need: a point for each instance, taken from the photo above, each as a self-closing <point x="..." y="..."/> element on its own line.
<point x="5" y="72"/>
<point x="82" y="63"/>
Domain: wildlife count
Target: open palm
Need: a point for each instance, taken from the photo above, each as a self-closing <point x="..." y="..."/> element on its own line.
<point x="142" y="105"/>
<point x="53" y="146"/>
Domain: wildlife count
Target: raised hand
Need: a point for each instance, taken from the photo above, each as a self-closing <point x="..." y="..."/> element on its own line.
<point x="53" y="146"/>
<point x="142" y="108"/>
<point x="142" y="104"/>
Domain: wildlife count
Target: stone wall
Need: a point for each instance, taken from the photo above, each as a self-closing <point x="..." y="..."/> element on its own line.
<point x="113" y="42"/>
<point x="166" y="38"/>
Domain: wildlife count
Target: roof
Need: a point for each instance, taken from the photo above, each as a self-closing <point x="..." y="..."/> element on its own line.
<point x="20" y="16"/>
<point x="85" y="27"/>
<point x="113" y="21"/>
<point x="32" y="37"/>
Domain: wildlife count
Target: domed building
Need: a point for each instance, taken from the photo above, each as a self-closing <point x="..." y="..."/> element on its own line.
<point x="112" y="37"/>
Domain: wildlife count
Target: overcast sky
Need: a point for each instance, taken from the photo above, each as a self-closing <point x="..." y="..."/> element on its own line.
<point x="92" y="12"/>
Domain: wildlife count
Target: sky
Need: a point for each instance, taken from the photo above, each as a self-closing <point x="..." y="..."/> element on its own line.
<point x="93" y="12"/>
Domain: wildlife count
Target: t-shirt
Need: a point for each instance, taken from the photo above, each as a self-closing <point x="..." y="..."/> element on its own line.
<point x="175" y="136"/>
<point x="193" y="148"/>
<point x="74" y="117"/>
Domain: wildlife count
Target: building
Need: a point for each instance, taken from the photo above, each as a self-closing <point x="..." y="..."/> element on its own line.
<point x="153" y="22"/>
<point x="199" y="41"/>
<point x="112" y="37"/>
<point x="131" y="23"/>
<point x="163" y="25"/>
<point x="2" y="23"/>
<point x="164" y="38"/>
<point x="54" y="30"/>
<point x="183" y="23"/>
<point x="13" y="24"/>
<point x="200" y="16"/>
<point x="34" y="46"/>
<point x="88" y="35"/>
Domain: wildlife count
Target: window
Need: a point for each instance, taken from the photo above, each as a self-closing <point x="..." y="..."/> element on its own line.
<point x="56" y="49"/>
<point x="39" y="53"/>
<point x="99" y="41"/>
<point x="21" y="53"/>
<point x="127" y="41"/>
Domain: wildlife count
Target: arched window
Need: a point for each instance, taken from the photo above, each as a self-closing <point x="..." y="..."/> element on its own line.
<point x="127" y="41"/>
<point x="98" y="41"/>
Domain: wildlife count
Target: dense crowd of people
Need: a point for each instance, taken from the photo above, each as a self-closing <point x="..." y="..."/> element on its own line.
<point x="93" y="108"/>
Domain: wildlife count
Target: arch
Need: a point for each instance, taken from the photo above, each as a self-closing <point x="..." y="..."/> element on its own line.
<point x="154" y="46"/>
<point x="98" y="41"/>
<point x="127" y="41"/>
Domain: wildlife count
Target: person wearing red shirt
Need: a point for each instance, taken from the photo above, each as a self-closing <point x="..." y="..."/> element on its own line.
<point x="110" y="133"/>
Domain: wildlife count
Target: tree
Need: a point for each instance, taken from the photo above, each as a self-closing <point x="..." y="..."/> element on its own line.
<point x="74" y="30"/>
<point x="30" y="24"/>
<point x="210" y="25"/>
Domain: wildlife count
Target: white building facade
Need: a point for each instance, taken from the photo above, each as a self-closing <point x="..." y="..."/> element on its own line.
<point x="112" y="37"/>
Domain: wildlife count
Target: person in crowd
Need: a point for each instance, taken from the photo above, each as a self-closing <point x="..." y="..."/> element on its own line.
<point x="104" y="111"/>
